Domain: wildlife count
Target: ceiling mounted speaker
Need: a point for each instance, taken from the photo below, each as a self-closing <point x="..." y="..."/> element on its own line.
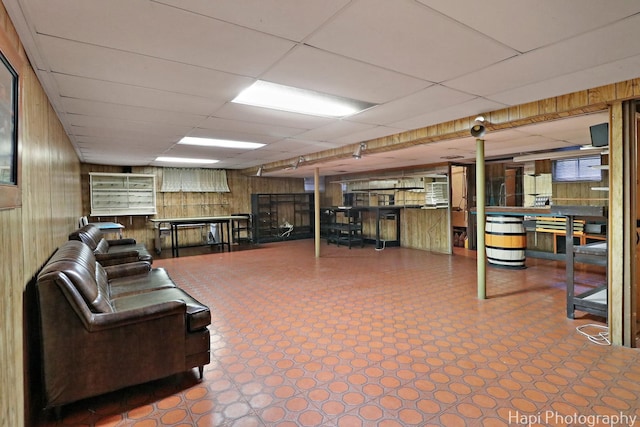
<point x="478" y="129"/>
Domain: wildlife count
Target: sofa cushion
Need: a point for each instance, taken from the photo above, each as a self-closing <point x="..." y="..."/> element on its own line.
<point x="152" y="280"/>
<point x="76" y="261"/>
<point x="198" y="314"/>
<point x="90" y="235"/>
<point x="143" y="253"/>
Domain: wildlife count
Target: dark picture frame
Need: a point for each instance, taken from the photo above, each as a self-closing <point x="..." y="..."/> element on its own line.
<point x="8" y="123"/>
<point x="11" y="63"/>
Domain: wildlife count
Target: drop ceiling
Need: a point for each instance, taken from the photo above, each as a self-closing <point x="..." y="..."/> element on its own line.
<point x="129" y="78"/>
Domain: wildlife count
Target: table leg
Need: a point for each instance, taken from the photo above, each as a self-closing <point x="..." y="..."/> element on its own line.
<point x="173" y="250"/>
<point x="569" y="263"/>
<point x="177" y="245"/>
<point x="378" y="230"/>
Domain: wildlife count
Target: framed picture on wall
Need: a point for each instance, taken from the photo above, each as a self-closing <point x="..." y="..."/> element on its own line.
<point x="8" y="123"/>
<point x="11" y="64"/>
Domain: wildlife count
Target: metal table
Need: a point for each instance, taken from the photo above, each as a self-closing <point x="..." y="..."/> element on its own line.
<point x="175" y="222"/>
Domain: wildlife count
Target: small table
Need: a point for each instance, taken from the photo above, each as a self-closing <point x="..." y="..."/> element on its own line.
<point x="110" y="227"/>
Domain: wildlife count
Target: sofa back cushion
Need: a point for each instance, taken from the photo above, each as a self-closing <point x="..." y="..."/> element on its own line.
<point x="90" y="235"/>
<point x="76" y="261"/>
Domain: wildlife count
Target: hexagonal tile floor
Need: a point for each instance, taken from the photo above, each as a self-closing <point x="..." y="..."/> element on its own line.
<point x="385" y="338"/>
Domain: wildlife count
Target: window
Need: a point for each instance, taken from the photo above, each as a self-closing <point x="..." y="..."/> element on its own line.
<point x="10" y="105"/>
<point x="577" y="169"/>
<point x="194" y="180"/>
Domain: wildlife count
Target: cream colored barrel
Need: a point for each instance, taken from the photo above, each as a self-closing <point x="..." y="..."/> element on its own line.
<point x="505" y="241"/>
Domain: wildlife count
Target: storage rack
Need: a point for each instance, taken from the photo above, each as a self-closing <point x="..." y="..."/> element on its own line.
<point x="282" y="216"/>
<point x="345" y="227"/>
<point x="595" y="300"/>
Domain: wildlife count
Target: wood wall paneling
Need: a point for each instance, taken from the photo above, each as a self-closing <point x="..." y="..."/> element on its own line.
<point x="426" y="229"/>
<point x="51" y="203"/>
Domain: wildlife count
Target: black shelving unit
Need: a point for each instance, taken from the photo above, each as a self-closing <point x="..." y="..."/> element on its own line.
<point x="345" y="227"/>
<point x="281" y="216"/>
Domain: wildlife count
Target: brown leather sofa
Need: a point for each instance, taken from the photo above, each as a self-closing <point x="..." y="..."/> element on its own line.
<point x="111" y="251"/>
<point x="106" y="328"/>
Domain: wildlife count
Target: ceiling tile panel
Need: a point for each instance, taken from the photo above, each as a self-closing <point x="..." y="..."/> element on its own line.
<point x="310" y="68"/>
<point x="213" y="124"/>
<point x="111" y="65"/>
<point x="464" y="109"/>
<point x="291" y="19"/>
<point x="617" y="71"/>
<point x="270" y="117"/>
<point x="433" y="98"/>
<point x="334" y="130"/>
<point x="142" y="114"/>
<point x="149" y="145"/>
<point x="115" y="93"/>
<point x="78" y="120"/>
<point x="119" y="133"/>
<point x="160" y="31"/>
<point x="405" y="36"/>
<point x="519" y="23"/>
<point x="579" y="53"/>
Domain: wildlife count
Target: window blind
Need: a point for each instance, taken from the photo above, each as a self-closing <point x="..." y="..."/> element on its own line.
<point x="194" y="180"/>
<point x="578" y="169"/>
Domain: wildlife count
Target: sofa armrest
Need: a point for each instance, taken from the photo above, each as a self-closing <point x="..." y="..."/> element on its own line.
<point x="85" y="354"/>
<point x="127" y="269"/>
<point x="115" y="242"/>
<point x="103" y="321"/>
<point x="113" y="258"/>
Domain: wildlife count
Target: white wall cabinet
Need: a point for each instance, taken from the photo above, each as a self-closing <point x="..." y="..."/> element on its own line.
<point x="115" y="194"/>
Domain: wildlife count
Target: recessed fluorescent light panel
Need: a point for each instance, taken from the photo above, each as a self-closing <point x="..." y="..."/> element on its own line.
<point x="287" y="98"/>
<point x="185" y="160"/>
<point x="224" y="143"/>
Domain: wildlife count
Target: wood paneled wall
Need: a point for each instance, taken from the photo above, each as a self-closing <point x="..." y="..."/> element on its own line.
<point x="51" y="203"/>
<point x="426" y="229"/>
<point x="188" y="204"/>
<point x="581" y="193"/>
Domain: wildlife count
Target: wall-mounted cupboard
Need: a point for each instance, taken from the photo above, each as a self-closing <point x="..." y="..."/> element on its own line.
<point x="116" y="194"/>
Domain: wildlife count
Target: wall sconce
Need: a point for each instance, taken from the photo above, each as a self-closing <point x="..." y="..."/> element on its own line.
<point x="358" y="153"/>
<point x="260" y="170"/>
